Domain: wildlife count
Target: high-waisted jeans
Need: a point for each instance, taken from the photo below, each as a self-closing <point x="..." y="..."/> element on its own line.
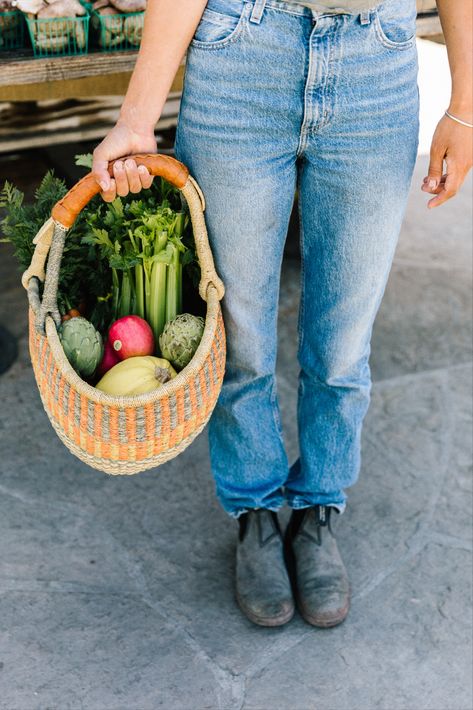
<point x="278" y="98"/>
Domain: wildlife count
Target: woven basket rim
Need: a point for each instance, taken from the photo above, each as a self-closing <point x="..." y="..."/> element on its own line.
<point x="165" y="390"/>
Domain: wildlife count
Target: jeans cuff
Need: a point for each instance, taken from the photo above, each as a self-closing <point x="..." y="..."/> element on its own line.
<point x="275" y="504"/>
<point x="297" y="502"/>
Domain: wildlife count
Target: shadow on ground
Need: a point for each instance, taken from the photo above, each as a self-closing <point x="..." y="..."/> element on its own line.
<point x="116" y="593"/>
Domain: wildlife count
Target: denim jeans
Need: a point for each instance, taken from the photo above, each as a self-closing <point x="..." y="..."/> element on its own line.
<point x="277" y="98"/>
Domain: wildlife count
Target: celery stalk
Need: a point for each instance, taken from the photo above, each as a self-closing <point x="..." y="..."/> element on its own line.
<point x="147" y="275"/>
<point x="173" y="286"/>
<point x="139" y="291"/>
<point x="116" y="293"/>
<point x="132" y="310"/>
<point x="157" y="313"/>
<point x="179" y="287"/>
<point x="124" y="307"/>
<point x="180" y="224"/>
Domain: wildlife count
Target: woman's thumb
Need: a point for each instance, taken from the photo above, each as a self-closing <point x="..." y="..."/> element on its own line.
<point x="100" y="172"/>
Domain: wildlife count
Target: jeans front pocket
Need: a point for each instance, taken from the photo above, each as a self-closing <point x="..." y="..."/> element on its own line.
<point x="222" y="22"/>
<point x="395" y="24"/>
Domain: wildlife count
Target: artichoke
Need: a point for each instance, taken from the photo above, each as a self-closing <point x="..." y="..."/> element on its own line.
<point x="82" y="344"/>
<point x="180" y="339"/>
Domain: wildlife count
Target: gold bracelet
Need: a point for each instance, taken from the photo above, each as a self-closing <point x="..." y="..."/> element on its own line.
<point x="459" y="120"/>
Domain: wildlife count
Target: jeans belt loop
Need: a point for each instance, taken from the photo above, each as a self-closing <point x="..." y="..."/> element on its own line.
<point x="257" y="12"/>
<point x="365" y="17"/>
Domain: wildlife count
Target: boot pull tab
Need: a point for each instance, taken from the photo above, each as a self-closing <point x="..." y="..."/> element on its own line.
<point x="322" y="520"/>
<point x="322" y="515"/>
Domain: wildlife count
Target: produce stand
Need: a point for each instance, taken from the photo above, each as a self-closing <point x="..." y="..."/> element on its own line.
<point x="23" y="78"/>
<point x="67" y="99"/>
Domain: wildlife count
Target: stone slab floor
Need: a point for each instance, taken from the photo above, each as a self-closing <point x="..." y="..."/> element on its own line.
<point x="117" y="593"/>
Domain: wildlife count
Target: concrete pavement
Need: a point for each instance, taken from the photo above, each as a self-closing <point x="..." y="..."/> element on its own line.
<point x="117" y="593"/>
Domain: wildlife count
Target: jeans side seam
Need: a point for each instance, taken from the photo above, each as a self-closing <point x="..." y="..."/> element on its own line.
<point x="275" y="408"/>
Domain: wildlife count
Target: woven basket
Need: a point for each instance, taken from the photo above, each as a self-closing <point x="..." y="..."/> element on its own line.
<point x="123" y="435"/>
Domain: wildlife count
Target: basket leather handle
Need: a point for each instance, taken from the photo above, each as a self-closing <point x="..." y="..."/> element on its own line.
<point x="70" y="206"/>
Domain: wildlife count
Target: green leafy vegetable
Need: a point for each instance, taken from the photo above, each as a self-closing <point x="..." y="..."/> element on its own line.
<point x="125" y="257"/>
<point x="84" y="160"/>
<point x="142" y="241"/>
<point x="82" y="274"/>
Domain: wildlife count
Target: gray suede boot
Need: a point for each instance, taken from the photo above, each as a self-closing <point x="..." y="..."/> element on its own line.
<point x="263" y="589"/>
<point x="319" y="577"/>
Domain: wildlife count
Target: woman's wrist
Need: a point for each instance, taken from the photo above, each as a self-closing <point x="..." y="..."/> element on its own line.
<point x="461" y="102"/>
<point x="135" y="121"/>
<point x="461" y="110"/>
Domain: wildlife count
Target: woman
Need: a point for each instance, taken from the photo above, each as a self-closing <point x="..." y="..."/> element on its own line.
<point x="321" y="96"/>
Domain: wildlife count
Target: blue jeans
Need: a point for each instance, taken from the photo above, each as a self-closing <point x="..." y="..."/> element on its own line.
<point x="277" y="97"/>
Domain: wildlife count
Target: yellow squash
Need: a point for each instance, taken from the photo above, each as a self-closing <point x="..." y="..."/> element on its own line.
<point x="136" y="375"/>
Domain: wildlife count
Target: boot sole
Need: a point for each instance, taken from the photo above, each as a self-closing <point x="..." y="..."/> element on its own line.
<point x="322" y="623"/>
<point x="265" y="621"/>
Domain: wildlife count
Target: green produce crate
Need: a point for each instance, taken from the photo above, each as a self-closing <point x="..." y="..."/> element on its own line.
<point x="115" y="33"/>
<point x="59" y="36"/>
<point x="12" y="30"/>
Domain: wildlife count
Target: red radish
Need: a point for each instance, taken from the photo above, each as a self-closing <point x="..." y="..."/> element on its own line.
<point x="131" y="336"/>
<point x="110" y="358"/>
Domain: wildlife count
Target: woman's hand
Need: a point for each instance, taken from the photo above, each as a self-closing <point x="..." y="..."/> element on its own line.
<point x="127" y="176"/>
<point x="452" y="143"/>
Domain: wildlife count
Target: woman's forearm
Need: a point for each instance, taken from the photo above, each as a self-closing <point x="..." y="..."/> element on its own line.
<point x="168" y="29"/>
<point x="456" y="17"/>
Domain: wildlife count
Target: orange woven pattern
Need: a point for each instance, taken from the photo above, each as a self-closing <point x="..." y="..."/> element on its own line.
<point x="128" y="439"/>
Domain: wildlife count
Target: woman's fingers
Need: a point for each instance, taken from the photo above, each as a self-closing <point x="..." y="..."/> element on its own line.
<point x="100" y="170"/>
<point x="145" y="178"/>
<point x="437" y="154"/>
<point x="449" y="183"/>
<point x="121" y="179"/>
<point x="127" y="177"/>
<point x="110" y="194"/>
<point x="433" y="190"/>
<point x="132" y="175"/>
<point x="447" y="190"/>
